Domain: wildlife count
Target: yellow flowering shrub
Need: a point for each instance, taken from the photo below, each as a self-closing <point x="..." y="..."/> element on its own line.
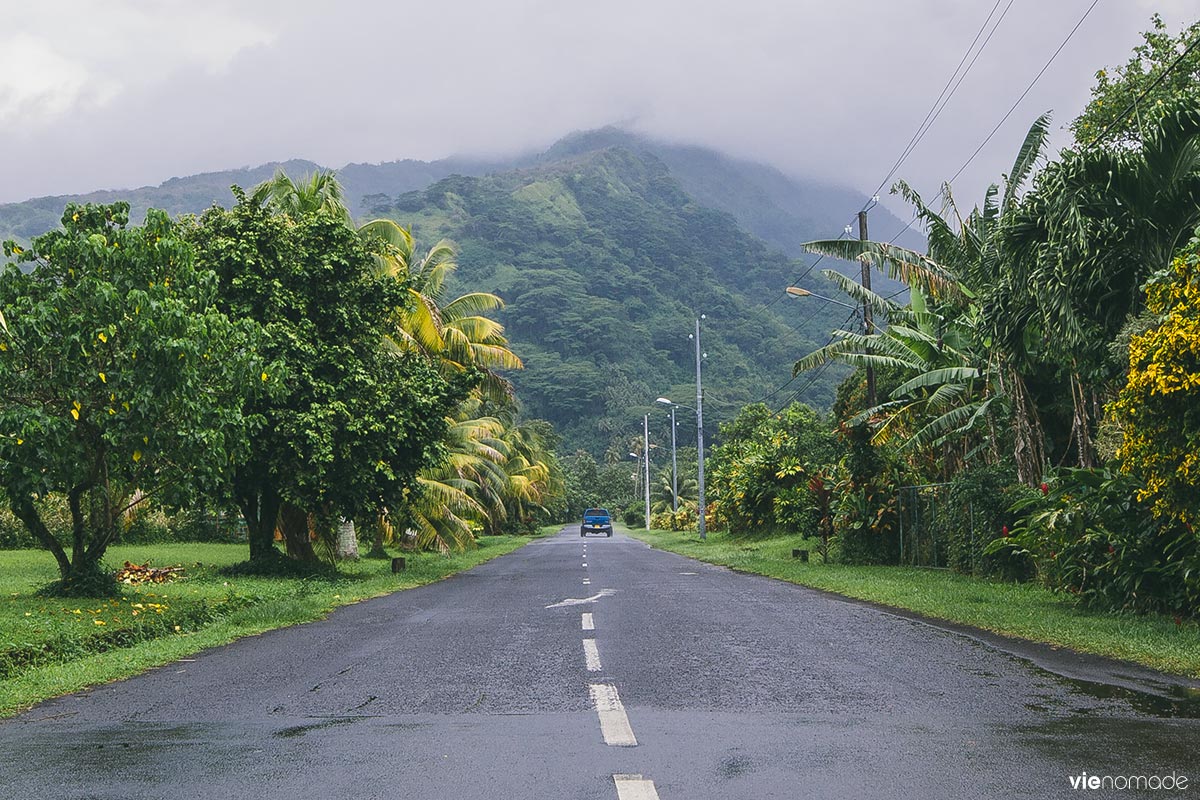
<point x="1159" y="406"/>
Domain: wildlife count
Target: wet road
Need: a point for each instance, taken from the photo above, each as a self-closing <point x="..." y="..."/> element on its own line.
<point x="600" y="669"/>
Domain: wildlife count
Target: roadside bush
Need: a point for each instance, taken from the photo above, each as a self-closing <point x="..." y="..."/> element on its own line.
<point x="867" y="515"/>
<point x="977" y="506"/>
<point x="684" y="519"/>
<point x="1089" y="536"/>
<point x="634" y="515"/>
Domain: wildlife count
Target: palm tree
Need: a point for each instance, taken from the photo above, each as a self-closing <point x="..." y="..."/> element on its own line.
<point x="1099" y="222"/>
<point x="320" y="191"/>
<point x="457" y="334"/>
<point x="946" y="339"/>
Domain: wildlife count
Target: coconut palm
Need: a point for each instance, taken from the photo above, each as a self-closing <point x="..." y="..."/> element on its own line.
<point x="456" y="333"/>
<point x="318" y="192"/>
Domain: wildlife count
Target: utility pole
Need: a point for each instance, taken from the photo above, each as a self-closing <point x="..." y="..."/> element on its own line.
<point x="868" y="324"/>
<point x="674" y="467"/>
<point x="646" y="446"/>
<point x="699" y="436"/>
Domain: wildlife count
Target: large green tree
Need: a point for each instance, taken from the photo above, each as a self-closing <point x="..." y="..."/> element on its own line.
<point x="121" y="379"/>
<point x="354" y="422"/>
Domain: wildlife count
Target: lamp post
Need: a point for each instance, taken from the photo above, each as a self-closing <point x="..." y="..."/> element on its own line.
<point x="674" y="459"/>
<point x="700" y="506"/>
<point x="646" y="449"/>
<point x="863" y="311"/>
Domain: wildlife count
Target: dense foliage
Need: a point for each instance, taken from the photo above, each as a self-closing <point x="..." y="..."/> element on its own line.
<point x="1159" y="406"/>
<point x="121" y="379"/>
<point x="352" y="423"/>
<point x="604" y="262"/>
<point x="1089" y="536"/>
<point x="762" y="469"/>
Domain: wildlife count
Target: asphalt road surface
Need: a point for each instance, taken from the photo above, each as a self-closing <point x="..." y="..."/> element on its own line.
<point x="600" y="669"/>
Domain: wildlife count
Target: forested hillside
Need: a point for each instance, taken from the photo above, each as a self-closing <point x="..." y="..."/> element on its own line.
<point x="604" y="261"/>
<point x="605" y="246"/>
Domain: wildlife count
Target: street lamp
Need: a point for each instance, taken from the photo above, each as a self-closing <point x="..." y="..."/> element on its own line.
<point x="674" y="459"/>
<point x="796" y="291"/>
<point x="699" y="431"/>
<point x="646" y="448"/>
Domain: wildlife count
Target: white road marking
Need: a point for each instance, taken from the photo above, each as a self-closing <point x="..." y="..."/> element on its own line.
<point x="591" y="655"/>
<point x="586" y="623"/>
<point x="614" y="724"/>
<point x="581" y="601"/>
<point x="585" y="563"/>
<point x="634" y="787"/>
<point x="689" y="573"/>
<point x="586" y="582"/>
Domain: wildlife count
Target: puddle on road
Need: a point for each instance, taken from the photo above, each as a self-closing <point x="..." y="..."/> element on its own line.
<point x="300" y="730"/>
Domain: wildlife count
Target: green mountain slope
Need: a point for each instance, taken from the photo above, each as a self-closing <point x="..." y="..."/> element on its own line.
<point x="606" y="246"/>
<point x="604" y="262"/>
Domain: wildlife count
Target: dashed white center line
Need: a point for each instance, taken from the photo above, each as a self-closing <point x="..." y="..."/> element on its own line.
<point x="586" y="582"/>
<point x="585" y="563"/>
<point x="614" y="724"/>
<point x="586" y="622"/>
<point x="591" y="655"/>
<point x="634" y="787"/>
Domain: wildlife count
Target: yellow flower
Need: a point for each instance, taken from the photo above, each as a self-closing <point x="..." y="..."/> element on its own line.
<point x="102" y="336"/>
<point x="103" y="378"/>
<point x="137" y="455"/>
<point x="99" y="622"/>
<point x="264" y="377"/>
<point x="75" y="413"/>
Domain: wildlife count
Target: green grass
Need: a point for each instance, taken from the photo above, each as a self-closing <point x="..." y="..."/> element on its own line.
<point x="1021" y="610"/>
<point x="54" y="646"/>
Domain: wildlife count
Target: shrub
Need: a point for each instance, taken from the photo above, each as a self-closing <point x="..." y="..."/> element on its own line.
<point x="1089" y="536"/>
<point x="634" y="515"/>
<point x="1159" y="406"/>
<point x="866" y="518"/>
<point x="976" y="507"/>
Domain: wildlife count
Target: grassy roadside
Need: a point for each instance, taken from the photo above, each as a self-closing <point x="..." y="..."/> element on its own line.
<point x="52" y="646"/>
<point x="1025" y="611"/>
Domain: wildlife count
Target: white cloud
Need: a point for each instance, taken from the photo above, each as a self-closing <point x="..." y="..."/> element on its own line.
<point x="811" y="86"/>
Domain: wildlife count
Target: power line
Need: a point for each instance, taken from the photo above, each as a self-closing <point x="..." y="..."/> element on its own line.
<point x="975" y="153"/>
<point x="942" y="192"/>
<point x="935" y="110"/>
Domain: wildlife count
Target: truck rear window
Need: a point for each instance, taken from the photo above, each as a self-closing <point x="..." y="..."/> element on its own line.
<point x="595" y="512"/>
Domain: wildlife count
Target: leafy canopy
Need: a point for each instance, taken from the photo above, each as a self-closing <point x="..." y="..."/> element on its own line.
<point x="118" y="372"/>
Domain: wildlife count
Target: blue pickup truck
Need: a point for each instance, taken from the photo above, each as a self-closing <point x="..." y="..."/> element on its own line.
<point x="596" y="520"/>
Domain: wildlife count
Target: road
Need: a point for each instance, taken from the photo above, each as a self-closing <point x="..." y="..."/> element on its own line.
<point x="600" y="669"/>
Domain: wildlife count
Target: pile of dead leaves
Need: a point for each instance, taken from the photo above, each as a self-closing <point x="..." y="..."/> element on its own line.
<point x="139" y="574"/>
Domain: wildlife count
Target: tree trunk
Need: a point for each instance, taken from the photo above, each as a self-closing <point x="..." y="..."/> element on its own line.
<point x="24" y="510"/>
<point x="297" y="535"/>
<point x="261" y="512"/>
<point x="347" y="541"/>
<point x="380" y="532"/>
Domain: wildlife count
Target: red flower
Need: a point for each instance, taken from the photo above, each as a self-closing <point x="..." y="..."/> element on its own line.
<point x="1111" y="549"/>
<point x="1004" y="531"/>
<point x="1045" y="487"/>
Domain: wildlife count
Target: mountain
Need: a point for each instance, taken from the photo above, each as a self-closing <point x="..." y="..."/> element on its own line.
<point x="605" y="262"/>
<point x="606" y="247"/>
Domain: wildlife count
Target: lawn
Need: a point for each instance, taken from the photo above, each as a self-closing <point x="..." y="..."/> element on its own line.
<point x="1022" y="610"/>
<point x="53" y="646"/>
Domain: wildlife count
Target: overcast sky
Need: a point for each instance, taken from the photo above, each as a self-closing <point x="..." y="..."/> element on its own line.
<point x="131" y="92"/>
